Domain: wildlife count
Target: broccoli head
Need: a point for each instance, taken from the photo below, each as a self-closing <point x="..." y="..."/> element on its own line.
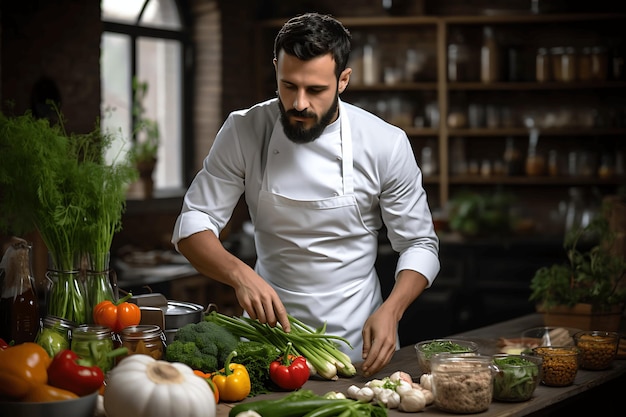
<point x="189" y="354"/>
<point x="210" y="339"/>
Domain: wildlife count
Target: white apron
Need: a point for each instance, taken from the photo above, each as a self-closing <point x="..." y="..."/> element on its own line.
<point x="317" y="254"/>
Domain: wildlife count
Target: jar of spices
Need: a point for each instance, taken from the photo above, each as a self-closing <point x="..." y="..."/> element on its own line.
<point x="542" y="65"/>
<point x="563" y="63"/>
<point x="147" y="339"/>
<point x="95" y="342"/>
<point x="55" y="334"/>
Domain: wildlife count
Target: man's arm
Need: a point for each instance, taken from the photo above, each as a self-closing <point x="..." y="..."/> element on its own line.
<point x="207" y="254"/>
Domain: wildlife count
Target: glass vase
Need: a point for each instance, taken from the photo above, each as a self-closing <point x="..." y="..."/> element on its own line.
<point x="67" y="296"/>
<point x="98" y="282"/>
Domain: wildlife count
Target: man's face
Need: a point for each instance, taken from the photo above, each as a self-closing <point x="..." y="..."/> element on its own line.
<point x="308" y="94"/>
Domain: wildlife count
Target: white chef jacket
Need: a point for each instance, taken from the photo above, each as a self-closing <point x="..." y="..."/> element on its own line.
<point x="387" y="182"/>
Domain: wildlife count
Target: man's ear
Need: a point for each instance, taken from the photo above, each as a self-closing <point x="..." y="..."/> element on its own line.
<point x="344" y="78"/>
<point x="275" y="62"/>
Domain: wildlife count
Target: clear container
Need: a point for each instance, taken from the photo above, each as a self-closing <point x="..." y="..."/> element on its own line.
<point x="55" y="334"/>
<point x="563" y="63"/>
<point x="598" y="349"/>
<point x="427" y="348"/>
<point x="516" y="377"/>
<point x="462" y="384"/>
<point x="95" y="342"/>
<point x="144" y="339"/>
<point x="542" y="65"/>
<point x="458" y="59"/>
<point x="560" y="364"/>
<point x="489" y="57"/>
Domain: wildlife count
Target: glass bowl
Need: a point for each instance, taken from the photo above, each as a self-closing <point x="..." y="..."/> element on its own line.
<point x="547" y="336"/>
<point x="597" y="348"/>
<point x="427" y="348"/>
<point x="515" y="376"/>
<point x="462" y="384"/>
<point x="559" y="366"/>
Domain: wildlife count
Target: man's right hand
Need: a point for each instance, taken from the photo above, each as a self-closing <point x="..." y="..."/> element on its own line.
<point x="207" y="254"/>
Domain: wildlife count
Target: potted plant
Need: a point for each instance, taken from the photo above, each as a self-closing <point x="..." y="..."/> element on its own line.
<point x="587" y="292"/>
<point x="144" y="149"/>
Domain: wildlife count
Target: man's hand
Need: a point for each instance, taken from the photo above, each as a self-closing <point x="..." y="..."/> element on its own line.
<point x="260" y="301"/>
<point x="379" y="341"/>
<point x="207" y="254"/>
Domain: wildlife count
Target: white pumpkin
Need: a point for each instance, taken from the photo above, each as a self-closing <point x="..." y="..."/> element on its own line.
<point x="140" y="386"/>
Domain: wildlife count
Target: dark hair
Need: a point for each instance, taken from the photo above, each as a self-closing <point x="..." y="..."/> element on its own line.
<point x="311" y="35"/>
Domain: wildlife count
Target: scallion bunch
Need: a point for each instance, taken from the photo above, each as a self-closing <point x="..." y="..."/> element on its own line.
<point x="320" y="349"/>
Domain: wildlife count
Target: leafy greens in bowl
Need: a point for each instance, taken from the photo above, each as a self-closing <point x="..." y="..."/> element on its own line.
<point x="516" y="377"/>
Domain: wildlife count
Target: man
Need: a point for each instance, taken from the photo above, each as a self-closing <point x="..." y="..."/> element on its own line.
<point x="320" y="177"/>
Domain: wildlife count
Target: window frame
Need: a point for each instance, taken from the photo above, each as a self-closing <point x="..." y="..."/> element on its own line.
<point x="136" y="31"/>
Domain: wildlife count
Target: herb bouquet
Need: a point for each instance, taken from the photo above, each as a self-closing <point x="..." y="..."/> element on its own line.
<point x="52" y="182"/>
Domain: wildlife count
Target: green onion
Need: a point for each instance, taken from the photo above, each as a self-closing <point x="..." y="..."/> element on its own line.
<point x="320" y="349"/>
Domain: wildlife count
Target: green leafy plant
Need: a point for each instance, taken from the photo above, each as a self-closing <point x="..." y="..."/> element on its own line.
<point x="147" y="134"/>
<point x="593" y="276"/>
<point x="474" y="214"/>
<point x="58" y="184"/>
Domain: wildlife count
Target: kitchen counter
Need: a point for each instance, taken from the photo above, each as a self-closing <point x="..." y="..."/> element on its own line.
<point x="544" y="401"/>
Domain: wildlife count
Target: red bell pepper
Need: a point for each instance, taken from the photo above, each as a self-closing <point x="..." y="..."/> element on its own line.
<point x="289" y="372"/>
<point x="68" y="371"/>
<point x="3" y="344"/>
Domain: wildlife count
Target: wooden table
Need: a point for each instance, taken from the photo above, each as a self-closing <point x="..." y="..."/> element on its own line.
<point x="544" y="401"/>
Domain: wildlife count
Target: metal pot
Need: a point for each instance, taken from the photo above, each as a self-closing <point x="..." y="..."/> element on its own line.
<point x="179" y="313"/>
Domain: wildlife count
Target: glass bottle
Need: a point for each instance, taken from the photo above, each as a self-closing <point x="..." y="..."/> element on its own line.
<point x="458" y="58"/>
<point x="489" y="57"/>
<point x="512" y="158"/>
<point x="19" y="306"/>
<point x="371" y="61"/>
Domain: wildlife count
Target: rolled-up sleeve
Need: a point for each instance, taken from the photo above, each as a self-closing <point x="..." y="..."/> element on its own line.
<point x="407" y="216"/>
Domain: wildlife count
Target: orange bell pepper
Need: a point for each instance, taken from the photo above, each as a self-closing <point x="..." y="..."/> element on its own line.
<point x="233" y="382"/>
<point x="117" y="316"/>
<point x="47" y="393"/>
<point x="22" y="368"/>
<point x="207" y="377"/>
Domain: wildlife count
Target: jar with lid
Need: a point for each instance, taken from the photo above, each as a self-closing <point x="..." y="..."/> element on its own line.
<point x="55" y="334"/>
<point x="462" y="383"/>
<point x="94" y="342"/>
<point x="147" y="339"/>
<point x="563" y="63"/>
<point x="542" y="65"/>
<point x="593" y="64"/>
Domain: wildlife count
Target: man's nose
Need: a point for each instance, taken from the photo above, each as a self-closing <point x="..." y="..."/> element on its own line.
<point x="300" y="102"/>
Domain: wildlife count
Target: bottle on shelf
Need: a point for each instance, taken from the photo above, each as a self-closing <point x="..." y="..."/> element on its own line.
<point x="458" y="58"/>
<point x="371" y="61"/>
<point x="489" y="57"/>
<point x="513" y="164"/>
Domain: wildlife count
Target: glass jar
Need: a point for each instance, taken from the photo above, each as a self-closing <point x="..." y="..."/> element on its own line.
<point x="147" y="339"/>
<point x="462" y="384"/>
<point x="55" y="334"/>
<point x="95" y="342"/>
<point x="542" y="65"/>
<point x="66" y="298"/>
<point x="97" y="282"/>
<point x="598" y="348"/>
<point x="563" y="63"/>
<point x="560" y="364"/>
<point x="593" y="64"/>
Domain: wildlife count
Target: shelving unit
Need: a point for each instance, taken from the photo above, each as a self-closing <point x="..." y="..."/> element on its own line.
<point x="522" y="32"/>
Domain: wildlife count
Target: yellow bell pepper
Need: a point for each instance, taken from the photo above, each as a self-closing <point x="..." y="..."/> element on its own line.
<point x="22" y="367"/>
<point x="233" y="381"/>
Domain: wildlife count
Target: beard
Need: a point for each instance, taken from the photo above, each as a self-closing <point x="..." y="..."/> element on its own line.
<point x="296" y="132"/>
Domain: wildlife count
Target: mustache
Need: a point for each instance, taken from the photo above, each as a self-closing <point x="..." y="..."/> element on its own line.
<point x="302" y="113"/>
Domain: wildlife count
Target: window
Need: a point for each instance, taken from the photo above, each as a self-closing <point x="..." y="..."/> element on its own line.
<point x="145" y="40"/>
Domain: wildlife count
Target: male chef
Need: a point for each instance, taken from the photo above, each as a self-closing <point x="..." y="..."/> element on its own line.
<point x="321" y="178"/>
